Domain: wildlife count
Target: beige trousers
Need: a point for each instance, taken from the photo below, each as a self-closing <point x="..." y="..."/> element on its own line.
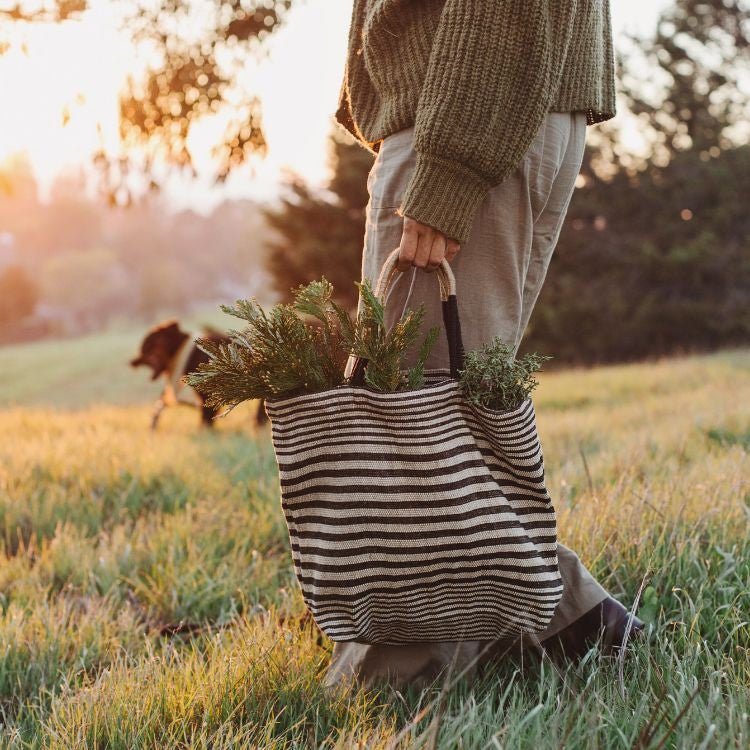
<point x="499" y="273"/>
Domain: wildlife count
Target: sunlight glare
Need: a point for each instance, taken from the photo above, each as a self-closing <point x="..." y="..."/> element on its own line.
<point x="61" y="81"/>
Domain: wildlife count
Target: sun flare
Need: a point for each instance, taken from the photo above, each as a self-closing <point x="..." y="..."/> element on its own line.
<point x="61" y="83"/>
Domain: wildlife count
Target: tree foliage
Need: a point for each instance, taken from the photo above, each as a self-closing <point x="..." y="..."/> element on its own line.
<point x="51" y="11"/>
<point x="18" y="295"/>
<point x="196" y="50"/>
<point x="651" y="264"/>
<point x="199" y="47"/>
<point x="689" y="82"/>
<point x="93" y="264"/>
<point x="321" y="233"/>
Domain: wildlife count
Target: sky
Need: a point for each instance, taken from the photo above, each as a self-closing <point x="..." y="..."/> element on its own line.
<point x="60" y="83"/>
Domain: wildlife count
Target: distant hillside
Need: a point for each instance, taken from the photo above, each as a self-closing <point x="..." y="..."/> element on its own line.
<point x="92" y="265"/>
<point x="92" y="369"/>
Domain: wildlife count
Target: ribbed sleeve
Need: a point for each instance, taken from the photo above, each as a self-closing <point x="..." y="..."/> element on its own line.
<point x="484" y="96"/>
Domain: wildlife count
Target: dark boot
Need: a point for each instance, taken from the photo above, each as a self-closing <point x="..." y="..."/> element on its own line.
<point x="606" y="623"/>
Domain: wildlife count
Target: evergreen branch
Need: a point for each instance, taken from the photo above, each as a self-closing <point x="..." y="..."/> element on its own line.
<point x="373" y="308"/>
<point x="315" y="299"/>
<point x="281" y="353"/>
<point x="415" y="375"/>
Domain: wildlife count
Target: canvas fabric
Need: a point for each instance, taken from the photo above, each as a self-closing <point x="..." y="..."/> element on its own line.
<point x="417" y="516"/>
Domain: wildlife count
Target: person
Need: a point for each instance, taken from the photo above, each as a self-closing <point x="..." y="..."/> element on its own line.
<point x="477" y="112"/>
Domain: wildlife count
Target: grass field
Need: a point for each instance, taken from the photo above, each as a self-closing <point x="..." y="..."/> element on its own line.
<point x="147" y="598"/>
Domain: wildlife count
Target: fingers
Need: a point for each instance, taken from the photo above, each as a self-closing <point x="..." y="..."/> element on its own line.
<point x="437" y="252"/>
<point x="424" y="247"/>
<point x="451" y="250"/>
<point x="408" y="245"/>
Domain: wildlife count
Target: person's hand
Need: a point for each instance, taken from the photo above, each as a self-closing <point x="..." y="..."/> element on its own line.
<point x="424" y="247"/>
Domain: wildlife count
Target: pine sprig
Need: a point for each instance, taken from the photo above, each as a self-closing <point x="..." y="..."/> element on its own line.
<point x="415" y="375"/>
<point x="302" y="347"/>
<point x="493" y="378"/>
<point x="316" y="300"/>
<point x="384" y="350"/>
<point x="278" y="353"/>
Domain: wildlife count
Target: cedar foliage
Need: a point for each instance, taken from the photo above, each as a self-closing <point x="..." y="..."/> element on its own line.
<point x="303" y="347"/>
<point x="384" y="352"/>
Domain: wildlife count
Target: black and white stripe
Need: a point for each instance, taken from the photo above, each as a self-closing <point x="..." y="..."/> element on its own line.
<point x="416" y="516"/>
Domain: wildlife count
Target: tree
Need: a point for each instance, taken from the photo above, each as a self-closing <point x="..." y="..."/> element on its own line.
<point x="18" y="295"/>
<point x="321" y="234"/>
<point x="56" y="10"/>
<point x="651" y="264"/>
<point x="197" y="48"/>
<point x="686" y="83"/>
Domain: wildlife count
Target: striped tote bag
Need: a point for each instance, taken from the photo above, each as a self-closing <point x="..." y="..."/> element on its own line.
<point x="416" y="516"/>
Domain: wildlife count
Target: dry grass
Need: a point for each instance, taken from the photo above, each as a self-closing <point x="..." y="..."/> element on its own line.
<point x="147" y="598"/>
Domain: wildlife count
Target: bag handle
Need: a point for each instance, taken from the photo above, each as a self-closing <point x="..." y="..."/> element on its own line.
<point x="388" y="273"/>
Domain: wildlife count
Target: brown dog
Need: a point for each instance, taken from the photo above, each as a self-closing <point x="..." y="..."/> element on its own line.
<point x="171" y="352"/>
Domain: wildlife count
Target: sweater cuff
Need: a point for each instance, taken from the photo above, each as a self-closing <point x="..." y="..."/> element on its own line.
<point x="444" y="195"/>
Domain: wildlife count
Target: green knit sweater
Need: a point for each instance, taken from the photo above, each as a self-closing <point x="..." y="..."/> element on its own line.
<point x="475" y="79"/>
